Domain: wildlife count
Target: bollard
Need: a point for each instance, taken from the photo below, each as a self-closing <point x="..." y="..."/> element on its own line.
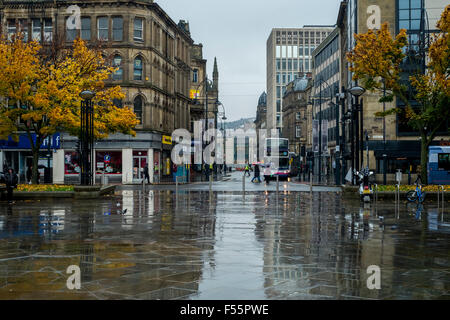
<point x="243" y="183"/>
<point x="176" y="185"/>
<point x="210" y="183"/>
<point x="441" y="189"/>
<point x="310" y="183"/>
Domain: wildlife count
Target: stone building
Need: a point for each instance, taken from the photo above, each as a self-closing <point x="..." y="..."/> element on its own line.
<point x="153" y="56"/>
<point x="295" y="102"/>
<point x="261" y="111"/>
<point x="202" y="88"/>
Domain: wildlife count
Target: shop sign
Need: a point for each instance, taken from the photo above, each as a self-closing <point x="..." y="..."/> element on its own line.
<point x="24" y="142"/>
<point x="167" y="140"/>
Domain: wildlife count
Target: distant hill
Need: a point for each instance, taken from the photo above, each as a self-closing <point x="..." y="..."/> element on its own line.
<point x="239" y="123"/>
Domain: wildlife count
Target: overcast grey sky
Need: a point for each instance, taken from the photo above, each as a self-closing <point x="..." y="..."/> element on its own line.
<point x="236" y="31"/>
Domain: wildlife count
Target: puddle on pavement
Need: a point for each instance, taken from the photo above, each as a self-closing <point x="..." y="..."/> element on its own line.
<point x="222" y="245"/>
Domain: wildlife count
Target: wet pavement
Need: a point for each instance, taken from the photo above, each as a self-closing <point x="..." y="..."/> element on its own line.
<point x="223" y="245"/>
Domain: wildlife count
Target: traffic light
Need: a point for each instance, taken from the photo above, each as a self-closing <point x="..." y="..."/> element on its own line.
<point x="78" y="147"/>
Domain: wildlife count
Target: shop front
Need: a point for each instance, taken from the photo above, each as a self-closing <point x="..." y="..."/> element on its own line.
<point x="118" y="159"/>
<point x="18" y="155"/>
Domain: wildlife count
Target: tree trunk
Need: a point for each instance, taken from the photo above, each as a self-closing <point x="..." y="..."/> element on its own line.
<point x="35" y="171"/>
<point x="424" y="159"/>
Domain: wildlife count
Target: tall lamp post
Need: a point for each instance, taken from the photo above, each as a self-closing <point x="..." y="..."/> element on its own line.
<point x="356" y="92"/>
<point x="87" y="137"/>
<point x="224" y="118"/>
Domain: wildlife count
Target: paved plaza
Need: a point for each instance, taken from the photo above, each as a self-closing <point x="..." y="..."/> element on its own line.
<point x="224" y="244"/>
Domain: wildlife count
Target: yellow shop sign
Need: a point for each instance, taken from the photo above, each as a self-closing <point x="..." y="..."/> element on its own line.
<point x="166" y="139"/>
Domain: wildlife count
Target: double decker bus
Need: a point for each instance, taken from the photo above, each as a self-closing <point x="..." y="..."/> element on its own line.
<point x="277" y="155"/>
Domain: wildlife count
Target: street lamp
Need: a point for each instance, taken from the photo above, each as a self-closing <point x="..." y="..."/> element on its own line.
<point x="224" y="118"/>
<point x="356" y="92"/>
<point x="87" y="137"/>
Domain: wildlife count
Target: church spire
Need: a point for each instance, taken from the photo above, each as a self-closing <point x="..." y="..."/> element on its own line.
<point x="215" y="75"/>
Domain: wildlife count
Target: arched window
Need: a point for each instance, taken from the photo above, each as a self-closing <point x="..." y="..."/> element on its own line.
<point x="138" y="107"/>
<point x="137" y="69"/>
<point x="117" y="63"/>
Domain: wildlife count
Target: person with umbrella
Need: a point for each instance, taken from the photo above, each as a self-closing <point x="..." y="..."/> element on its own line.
<point x="11" y="180"/>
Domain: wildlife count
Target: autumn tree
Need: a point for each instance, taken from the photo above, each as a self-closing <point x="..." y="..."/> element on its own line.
<point x="39" y="92"/>
<point x="376" y="61"/>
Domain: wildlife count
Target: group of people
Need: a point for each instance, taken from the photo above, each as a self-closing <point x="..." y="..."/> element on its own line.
<point x="257" y="172"/>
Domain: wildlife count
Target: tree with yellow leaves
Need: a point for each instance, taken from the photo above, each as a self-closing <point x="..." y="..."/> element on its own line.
<point x="376" y="62"/>
<point x="40" y="94"/>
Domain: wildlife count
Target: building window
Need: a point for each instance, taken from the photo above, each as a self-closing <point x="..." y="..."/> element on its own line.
<point x="72" y="162"/>
<point x="137" y="74"/>
<point x="109" y="162"/>
<point x="278" y="105"/>
<point x="298" y="131"/>
<point x="117" y="103"/>
<point x="36" y="27"/>
<point x="117" y="63"/>
<point x="86" y="28"/>
<point x="71" y="33"/>
<point x="12" y="28"/>
<point x="23" y="28"/>
<point x="138" y="29"/>
<point x="195" y="75"/>
<point x="102" y="28"/>
<point x="48" y="30"/>
<point x="137" y="104"/>
<point x="298" y="115"/>
<point x="117" y="28"/>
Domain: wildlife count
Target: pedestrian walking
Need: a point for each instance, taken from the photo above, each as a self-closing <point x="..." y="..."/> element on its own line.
<point x="247" y="169"/>
<point x="267" y="174"/>
<point x="146" y="174"/>
<point x="256" y="175"/>
<point x="11" y="180"/>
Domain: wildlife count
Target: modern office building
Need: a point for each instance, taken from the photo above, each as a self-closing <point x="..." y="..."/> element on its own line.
<point x="327" y="83"/>
<point x="288" y="54"/>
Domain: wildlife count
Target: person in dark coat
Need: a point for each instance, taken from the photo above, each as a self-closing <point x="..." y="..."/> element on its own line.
<point x="257" y="173"/>
<point x="146" y="175"/>
<point x="11" y="180"/>
<point x="29" y="174"/>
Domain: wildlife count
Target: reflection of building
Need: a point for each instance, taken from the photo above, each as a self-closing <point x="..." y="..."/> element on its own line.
<point x="288" y="53"/>
<point x="295" y="101"/>
<point x="152" y="54"/>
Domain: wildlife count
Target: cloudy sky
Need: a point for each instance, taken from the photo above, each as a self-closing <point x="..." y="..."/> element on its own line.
<point x="236" y="31"/>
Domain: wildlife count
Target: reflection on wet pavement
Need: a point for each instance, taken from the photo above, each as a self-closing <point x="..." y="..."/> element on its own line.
<point x="223" y="245"/>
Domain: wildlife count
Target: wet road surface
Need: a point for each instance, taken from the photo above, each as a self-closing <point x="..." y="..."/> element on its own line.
<point x="222" y="245"/>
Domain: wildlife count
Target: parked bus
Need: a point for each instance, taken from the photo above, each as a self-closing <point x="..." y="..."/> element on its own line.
<point x="277" y="151"/>
<point x="439" y="165"/>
